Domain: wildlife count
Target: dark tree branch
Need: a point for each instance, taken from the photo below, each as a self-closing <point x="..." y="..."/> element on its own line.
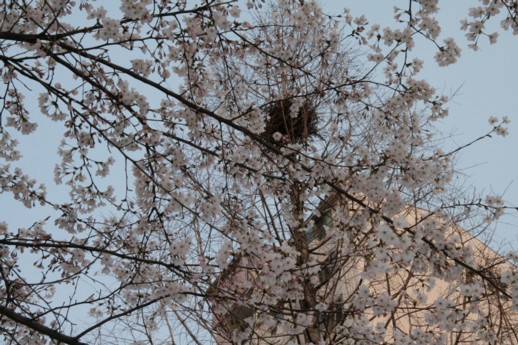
<point x="38" y="327"/>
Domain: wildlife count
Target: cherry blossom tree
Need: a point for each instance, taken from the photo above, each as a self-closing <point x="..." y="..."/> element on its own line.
<point x="240" y="171"/>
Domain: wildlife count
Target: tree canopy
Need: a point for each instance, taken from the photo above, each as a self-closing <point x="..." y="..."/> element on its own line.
<point x="233" y="171"/>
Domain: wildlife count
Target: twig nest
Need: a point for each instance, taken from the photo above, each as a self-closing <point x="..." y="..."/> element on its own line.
<point x="292" y="119"/>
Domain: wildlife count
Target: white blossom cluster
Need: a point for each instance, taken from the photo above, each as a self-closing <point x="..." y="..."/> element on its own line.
<point x="259" y="172"/>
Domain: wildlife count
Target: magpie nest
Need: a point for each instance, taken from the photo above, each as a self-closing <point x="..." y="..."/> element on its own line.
<point x="296" y="128"/>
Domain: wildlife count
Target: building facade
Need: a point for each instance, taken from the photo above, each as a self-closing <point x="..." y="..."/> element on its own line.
<point x="369" y="284"/>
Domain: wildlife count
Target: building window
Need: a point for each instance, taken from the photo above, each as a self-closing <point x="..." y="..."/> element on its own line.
<point x="318" y="230"/>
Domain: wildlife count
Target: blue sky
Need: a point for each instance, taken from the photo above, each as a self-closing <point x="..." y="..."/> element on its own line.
<point x="484" y="84"/>
<point x="487" y="86"/>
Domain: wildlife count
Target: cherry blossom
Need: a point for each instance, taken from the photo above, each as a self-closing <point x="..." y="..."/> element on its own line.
<point x="222" y="173"/>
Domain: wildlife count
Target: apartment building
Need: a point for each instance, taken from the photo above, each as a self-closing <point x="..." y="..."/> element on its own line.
<point x="432" y="295"/>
